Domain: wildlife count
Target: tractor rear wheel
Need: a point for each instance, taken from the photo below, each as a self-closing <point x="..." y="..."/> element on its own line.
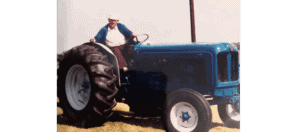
<point x="86" y="85"/>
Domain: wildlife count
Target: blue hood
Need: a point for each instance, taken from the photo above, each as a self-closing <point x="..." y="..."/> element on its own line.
<point x="187" y="48"/>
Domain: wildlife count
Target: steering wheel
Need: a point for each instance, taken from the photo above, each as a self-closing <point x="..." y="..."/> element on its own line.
<point x="131" y="41"/>
<point x="129" y="44"/>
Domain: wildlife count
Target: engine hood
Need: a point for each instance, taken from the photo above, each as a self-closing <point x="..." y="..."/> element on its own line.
<point x="214" y="48"/>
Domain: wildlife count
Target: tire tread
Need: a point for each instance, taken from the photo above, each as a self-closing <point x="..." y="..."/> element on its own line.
<point x="103" y="83"/>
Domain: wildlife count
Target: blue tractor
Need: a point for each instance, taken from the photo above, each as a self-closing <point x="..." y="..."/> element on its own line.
<point x="178" y="82"/>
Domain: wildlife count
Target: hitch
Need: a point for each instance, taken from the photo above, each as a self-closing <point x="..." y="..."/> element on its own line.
<point x="235" y="100"/>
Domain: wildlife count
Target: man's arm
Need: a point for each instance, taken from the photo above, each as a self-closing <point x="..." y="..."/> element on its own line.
<point x="133" y="34"/>
<point x="124" y="30"/>
<point x="100" y="37"/>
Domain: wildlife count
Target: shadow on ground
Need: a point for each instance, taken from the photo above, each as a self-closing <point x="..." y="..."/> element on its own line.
<point x="148" y="122"/>
<point x="154" y="122"/>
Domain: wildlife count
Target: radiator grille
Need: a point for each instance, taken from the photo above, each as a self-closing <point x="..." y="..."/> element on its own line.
<point x="234" y="67"/>
<point x="225" y="61"/>
<point x="222" y="67"/>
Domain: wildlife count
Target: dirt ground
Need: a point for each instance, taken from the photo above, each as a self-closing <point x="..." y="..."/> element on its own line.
<point x="134" y="124"/>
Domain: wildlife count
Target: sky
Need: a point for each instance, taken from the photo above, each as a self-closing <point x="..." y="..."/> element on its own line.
<point x="165" y="21"/>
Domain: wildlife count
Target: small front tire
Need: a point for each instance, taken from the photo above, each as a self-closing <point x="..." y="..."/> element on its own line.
<point x="230" y="115"/>
<point x="187" y="111"/>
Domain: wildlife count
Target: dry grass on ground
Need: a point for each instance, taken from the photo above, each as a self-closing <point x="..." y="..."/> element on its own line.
<point x="137" y="124"/>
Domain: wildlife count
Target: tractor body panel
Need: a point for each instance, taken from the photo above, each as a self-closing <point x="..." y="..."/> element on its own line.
<point x="210" y="69"/>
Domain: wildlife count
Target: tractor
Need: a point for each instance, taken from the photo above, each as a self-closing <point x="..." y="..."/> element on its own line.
<point x="178" y="82"/>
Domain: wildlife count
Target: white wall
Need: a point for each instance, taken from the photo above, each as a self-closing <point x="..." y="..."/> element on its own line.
<point x="166" y="21"/>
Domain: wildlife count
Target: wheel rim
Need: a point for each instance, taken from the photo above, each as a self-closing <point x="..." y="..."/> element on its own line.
<point x="78" y="87"/>
<point x="232" y="112"/>
<point x="184" y="117"/>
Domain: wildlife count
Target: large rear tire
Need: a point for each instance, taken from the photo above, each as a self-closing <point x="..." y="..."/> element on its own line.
<point x="86" y="85"/>
<point x="187" y="111"/>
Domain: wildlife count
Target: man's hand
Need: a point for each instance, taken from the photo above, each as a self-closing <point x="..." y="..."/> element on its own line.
<point x="133" y="35"/>
<point x="92" y="40"/>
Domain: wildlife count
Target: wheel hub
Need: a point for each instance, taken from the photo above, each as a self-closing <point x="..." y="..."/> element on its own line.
<point x="78" y="87"/>
<point x="85" y="85"/>
<point x="184" y="116"/>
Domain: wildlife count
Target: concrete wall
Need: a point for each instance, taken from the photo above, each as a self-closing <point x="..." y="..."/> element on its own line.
<point x="166" y="21"/>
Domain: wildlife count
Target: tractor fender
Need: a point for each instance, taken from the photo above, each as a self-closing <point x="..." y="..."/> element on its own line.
<point x="112" y="59"/>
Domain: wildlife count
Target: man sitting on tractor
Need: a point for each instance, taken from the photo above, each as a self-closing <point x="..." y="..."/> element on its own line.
<point x="113" y="35"/>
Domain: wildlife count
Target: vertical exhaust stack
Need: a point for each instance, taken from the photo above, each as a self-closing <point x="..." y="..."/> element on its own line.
<point x="192" y="21"/>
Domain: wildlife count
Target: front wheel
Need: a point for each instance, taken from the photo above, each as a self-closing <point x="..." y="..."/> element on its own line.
<point x="187" y="111"/>
<point x="230" y="115"/>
